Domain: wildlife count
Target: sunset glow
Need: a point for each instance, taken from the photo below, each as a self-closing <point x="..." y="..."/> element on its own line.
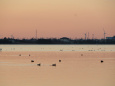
<point x="57" y="18"/>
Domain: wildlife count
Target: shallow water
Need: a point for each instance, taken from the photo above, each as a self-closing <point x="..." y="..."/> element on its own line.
<point x="57" y="47"/>
<point x="80" y="65"/>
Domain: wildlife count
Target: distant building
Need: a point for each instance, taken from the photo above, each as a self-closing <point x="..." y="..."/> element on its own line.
<point x="65" y="39"/>
<point x="111" y="38"/>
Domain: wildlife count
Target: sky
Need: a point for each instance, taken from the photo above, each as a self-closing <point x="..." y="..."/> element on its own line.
<point x="57" y="18"/>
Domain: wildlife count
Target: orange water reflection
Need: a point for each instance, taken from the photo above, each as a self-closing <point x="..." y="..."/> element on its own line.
<point x="73" y="70"/>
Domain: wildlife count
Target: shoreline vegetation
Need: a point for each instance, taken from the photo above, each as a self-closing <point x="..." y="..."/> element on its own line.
<point x="63" y="40"/>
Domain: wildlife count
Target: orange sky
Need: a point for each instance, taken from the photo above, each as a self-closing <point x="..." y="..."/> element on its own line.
<point x="57" y="18"/>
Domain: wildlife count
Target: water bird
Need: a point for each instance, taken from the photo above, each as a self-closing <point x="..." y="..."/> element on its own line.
<point x="53" y="64"/>
<point x="29" y="54"/>
<point x="32" y="60"/>
<point x="81" y="54"/>
<point x="102" y="61"/>
<point x="59" y="60"/>
<point x="38" y="64"/>
<point x="19" y="54"/>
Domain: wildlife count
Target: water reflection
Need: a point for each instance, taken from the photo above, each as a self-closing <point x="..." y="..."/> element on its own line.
<point x="76" y="68"/>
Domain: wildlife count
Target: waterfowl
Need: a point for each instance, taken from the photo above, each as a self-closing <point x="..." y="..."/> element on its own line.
<point x="32" y="60"/>
<point x="39" y="64"/>
<point x="59" y="60"/>
<point x="102" y="61"/>
<point x="53" y="64"/>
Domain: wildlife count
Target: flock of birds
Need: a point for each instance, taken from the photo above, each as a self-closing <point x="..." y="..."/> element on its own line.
<point x="40" y="63"/>
<point x="60" y="60"/>
<point x="55" y="64"/>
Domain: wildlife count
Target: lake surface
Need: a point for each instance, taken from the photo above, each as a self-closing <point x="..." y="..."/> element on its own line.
<point x="80" y="65"/>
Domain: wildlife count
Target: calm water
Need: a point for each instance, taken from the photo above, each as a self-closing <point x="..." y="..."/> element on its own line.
<point x="80" y="65"/>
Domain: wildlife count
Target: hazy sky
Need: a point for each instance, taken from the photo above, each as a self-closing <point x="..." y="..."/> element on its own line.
<point x="57" y="18"/>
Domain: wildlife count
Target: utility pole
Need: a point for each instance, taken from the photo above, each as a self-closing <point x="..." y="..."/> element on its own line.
<point x="88" y="35"/>
<point x="104" y="33"/>
<point x="36" y="33"/>
<point x="92" y="36"/>
<point x="85" y="36"/>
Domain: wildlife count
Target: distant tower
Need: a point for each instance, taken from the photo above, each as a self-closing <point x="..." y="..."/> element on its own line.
<point x="36" y="33"/>
<point x="88" y="35"/>
<point x="104" y="33"/>
<point x="85" y="36"/>
<point x="92" y="36"/>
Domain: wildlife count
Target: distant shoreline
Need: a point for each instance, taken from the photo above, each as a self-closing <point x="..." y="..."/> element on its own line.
<point x="55" y="41"/>
<point x="57" y="44"/>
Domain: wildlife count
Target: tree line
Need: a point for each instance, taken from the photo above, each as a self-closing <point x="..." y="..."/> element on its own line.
<point x="56" y="41"/>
